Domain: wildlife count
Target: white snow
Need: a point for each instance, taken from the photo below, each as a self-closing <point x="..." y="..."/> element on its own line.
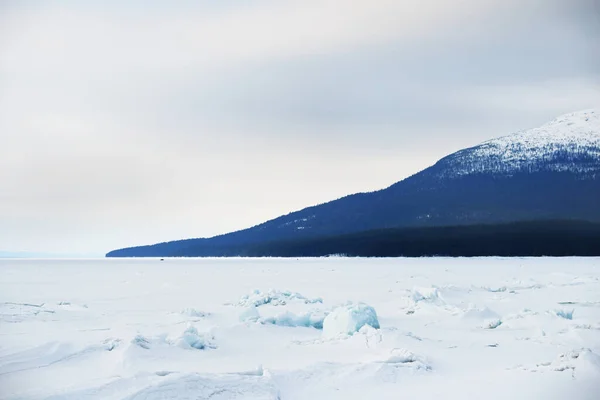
<point x="492" y="328"/>
<point x="249" y="314"/>
<point x="191" y="339"/>
<point x="297" y="221"/>
<point x="193" y="313"/>
<point x="349" y="319"/>
<point x="307" y="320"/>
<point x="575" y="133"/>
<point x="275" y="298"/>
<point x="581" y="128"/>
<point x="427" y="294"/>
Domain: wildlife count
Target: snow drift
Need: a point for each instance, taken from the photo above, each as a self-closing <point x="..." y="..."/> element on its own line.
<point x="349" y="319"/>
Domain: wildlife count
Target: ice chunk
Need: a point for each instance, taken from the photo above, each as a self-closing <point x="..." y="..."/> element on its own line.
<point x="499" y="289"/>
<point x="589" y="360"/>
<point x="401" y="356"/>
<point x="566" y="314"/>
<point x="141" y="341"/>
<point x="348" y="319"/>
<point x="249" y="314"/>
<point x="274" y="298"/>
<point x="371" y="335"/>
<point x="111" y="344"/>
<point x="309" y="320"/>
<point x="583" y="361"/>
<point x="191" y="339"/>
<point x="493" y="324"/>
<point x="431" y="295"/>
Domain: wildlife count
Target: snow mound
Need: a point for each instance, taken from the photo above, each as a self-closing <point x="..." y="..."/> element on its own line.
<point x="492" y="324"/>
<point x="403" y="356"/>
<point x="188" y="339"/>
<point x="249" y="314"/>
<point x="18" y="312"/>
<point x="566" y="314"/>
<point x="499" y="289"/>
<point x="193" y="387"/>
<point x="193" y="313"/>
<point x="274" y="298"/>
<point x="51" y="353"/>
<point x="524" y="313"/>
<point x="487" y="318"/>
<point x="430" y="299"/>
<point x="311" y="319"/>
<point x="308" y="320"/>
<point x="430" y="295"/>
<point x="142" y="341"/>
<point x="589" y="361"/>
<point x="480" y="314"/>
<point x="372" y="336"/>
<point x="349" y="319"/>
<point x="583" y="360"/>
<point x="111" y="344"/>
<point x="525" y="285"/>
<point x="191" y="339"/>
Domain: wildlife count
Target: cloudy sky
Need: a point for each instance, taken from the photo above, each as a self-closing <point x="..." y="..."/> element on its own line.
<point x="134" y="122"/>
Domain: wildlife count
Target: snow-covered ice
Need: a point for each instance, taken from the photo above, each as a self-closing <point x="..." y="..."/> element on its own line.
<point x="349" y="319"/>
<point x="275" y="298"/>
<point x="333" y="328"/>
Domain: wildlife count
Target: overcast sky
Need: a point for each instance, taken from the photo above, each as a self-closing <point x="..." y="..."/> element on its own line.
<point x="135" y="122"/>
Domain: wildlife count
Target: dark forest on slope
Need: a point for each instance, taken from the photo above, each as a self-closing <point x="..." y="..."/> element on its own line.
<point x="534" y="238"/>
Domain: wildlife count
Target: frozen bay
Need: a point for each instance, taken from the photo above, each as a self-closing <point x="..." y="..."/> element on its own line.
<point x="521" y="328"/>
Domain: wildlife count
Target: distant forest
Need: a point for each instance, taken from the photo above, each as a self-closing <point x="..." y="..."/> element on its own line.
<point x="534" y="238"/>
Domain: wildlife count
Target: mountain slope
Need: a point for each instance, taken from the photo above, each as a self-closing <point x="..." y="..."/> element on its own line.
<point x="515" y="239"/>
<point x="551" y="172"/>
<point x="570" y="143"/>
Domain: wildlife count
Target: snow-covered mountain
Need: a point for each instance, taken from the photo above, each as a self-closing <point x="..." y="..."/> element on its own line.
<point x="550" y="172"/>
<point x="568" y="143"/>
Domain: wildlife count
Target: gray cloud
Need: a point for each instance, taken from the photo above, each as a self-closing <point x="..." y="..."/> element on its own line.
<point x="126" y="124"/>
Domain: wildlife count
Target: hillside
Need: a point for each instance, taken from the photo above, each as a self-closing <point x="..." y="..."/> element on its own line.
<point x="527" y="238"/>
<point x="546" y="173"/>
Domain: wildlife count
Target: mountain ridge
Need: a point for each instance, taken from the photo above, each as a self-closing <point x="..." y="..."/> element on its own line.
<point x="576" y="134"/>
<point x="550" y="172"/>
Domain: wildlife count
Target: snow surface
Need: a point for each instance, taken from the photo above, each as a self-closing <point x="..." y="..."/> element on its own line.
<point x="349" y="319"/>
<point x="274" y="298"/>
<point x="560" y="145"/>
<point x="488" y="328"/>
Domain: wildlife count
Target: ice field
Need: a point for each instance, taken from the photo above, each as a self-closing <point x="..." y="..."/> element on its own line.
<point x="331" y="328"/>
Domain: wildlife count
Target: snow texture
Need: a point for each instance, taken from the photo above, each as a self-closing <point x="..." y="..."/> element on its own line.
<point x="274" y="298"/>
<point x="431" y="295"/>
<point x="464" y="328"/>
<point x="566" y="314"/>
<point x="568" y="143"/>
<point x="249" y="314"/>
<point x="194" y="387"/>
<point x="307" y="320"/>
<point x="191" y="339"/>
<point x="349" y="319"/>
<point x="192" y="312"/>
